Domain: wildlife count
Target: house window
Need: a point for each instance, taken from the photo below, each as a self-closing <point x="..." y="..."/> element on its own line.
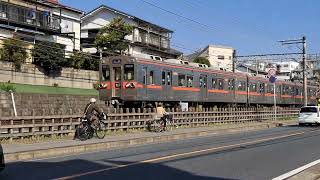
<point x="220" y="57"/>
<point x="181" y="80"/>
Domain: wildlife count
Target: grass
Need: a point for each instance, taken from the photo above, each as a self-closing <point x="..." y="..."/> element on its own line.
<point x="36" y="89"/>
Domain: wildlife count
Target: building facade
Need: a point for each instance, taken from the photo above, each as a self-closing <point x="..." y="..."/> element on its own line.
<point x="33" y="21"/>
<point x="146" y="39"/>
<point x="218" y="56"/>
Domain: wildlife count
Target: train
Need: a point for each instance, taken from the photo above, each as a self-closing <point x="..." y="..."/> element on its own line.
<point x="139" y="82"/>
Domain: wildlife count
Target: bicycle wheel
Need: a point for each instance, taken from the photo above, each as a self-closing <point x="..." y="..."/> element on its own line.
<point x="83" y="132"/>
<point x="101" y="130"/>
<point x="157" y="126"/>
<point x="169" y="126"/>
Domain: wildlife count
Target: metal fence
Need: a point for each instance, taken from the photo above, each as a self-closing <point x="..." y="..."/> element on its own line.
<point x="125" y="119"/>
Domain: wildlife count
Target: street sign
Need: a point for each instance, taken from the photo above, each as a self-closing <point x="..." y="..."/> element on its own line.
<point x="272" y="79"/>
<point x="272" y="72"/>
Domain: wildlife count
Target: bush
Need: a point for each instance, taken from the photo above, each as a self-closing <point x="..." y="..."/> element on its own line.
<point x="82" y="60"/>
<point x="7" y="87"/>
<point x="13" y="50"/>
<point x="96" y="85"/>
<point x="202" y="60"/>
<point x="50" y="56"/>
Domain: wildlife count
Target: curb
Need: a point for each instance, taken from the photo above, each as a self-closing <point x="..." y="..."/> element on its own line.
<point x="86" y="148"/>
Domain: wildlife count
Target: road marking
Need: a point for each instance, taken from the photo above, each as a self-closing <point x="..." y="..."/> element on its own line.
<point x="296" y="171"/>
<point x="178" y="155"/>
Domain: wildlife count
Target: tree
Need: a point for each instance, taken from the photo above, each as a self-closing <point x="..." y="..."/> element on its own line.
<point x="13" y="50"/>
<point x="49" y="55"/>
<point x="83" y="60"/>
<point x="202" y="60"/>
<point x="111" y="38"/>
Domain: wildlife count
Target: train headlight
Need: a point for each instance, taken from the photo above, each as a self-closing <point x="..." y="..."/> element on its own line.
<point x="130" y="85"/>
<point x="103" y="85"/>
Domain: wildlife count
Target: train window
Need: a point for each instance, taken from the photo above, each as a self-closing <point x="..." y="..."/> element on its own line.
<point x="296" y="91"/>
<point x="205" y="82"/>
<point x="163" y="78"/>
<point x="270" y="88"/>
<point x="214" y="83"/>
<point x="220" y="84"/>
<point x="200" y="81"/>
<point x="128" y="71"/>
<point x="181" y="80"/>
<point x="105" y="73"/>
<point x="151" y="78"/>
<point x="262" y="88"/>
<point x="242" y="86"/>
<point x="189" y="81"/>
<point x="169" y="77"/>
<point x="253" y="87"/>
<point x="231" y="84"/>
<point x="117" y="73"/>
<point x="144" y="71"/>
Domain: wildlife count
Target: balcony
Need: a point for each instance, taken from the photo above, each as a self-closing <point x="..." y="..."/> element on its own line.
<point x="152" y="39"/>
<point x="30" y="18"/>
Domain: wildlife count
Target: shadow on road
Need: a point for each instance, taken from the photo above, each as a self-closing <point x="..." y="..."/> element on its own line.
<point x="52" y="170"/>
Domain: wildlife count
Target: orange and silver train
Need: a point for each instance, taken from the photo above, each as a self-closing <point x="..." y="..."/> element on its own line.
<point x="138" y="82"/>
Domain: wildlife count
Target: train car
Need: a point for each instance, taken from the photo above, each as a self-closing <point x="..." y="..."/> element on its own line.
<point x="131" y="81"/>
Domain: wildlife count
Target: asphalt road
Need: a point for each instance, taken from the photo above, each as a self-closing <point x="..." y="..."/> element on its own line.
<point x="253" y="155"/>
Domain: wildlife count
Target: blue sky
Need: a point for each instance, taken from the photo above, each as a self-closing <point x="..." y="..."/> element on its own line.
<point x="250" y="26"/>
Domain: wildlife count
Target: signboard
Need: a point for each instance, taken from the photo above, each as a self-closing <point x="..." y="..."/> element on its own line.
<point x="272" y="72"/>
<point x="272" y="79"/>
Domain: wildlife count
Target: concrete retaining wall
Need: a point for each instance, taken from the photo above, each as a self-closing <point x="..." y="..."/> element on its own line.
<point x="44" y="104"/>
<point x="30" y="74"/>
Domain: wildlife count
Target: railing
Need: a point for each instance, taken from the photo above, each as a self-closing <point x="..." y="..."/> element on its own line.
<point x="17" y="127"/>
<point x="27" y="16"/>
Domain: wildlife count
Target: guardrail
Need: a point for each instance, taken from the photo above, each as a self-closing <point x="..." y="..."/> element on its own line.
<point x="125" y="119"/>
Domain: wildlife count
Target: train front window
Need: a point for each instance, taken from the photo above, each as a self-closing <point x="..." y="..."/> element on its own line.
<point x="128" y="71"/>
<point x="105" y="73"/>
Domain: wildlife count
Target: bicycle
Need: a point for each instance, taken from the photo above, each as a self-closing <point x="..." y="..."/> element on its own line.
<point x="157" y="125"/>
<point x="86" y="129"/>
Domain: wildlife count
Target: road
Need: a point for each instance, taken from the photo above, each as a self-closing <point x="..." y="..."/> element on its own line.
<point x="252" y="155"/>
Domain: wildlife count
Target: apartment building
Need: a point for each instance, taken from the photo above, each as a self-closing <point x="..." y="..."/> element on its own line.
<point x="146" y="39"/>
<point x="40" y="20"/>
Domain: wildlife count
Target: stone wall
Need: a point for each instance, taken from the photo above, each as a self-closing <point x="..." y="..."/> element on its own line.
<point x="44" y="104"/>
<point x="30" y="74"/>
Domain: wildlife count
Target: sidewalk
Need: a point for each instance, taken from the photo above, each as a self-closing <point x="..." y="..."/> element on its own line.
<point x="312" y="173"/>
<point x="21" y="151"/>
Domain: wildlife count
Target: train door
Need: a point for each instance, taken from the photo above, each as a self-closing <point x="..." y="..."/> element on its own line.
<point x="166" y="83"/>
<point x="116" y="82"/>
<point x="143" y="91"/>
<point x="203" y="87"/>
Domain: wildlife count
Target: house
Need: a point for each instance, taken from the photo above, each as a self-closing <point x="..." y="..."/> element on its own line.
<point x="146" y="39"/>
<point x="40" y="20"/>
<point x="218" y="56"/>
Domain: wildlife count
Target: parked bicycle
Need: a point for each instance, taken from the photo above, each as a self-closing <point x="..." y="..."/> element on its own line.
<point x="87" y="129"/>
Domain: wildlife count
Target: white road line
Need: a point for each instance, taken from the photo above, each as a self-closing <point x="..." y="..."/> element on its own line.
<point x="296" y="171"/>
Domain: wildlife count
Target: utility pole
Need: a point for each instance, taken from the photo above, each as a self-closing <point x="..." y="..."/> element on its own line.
<point x="305" y="85"/>
<point x="302" y="41"/>
<point x="234" y="61"/>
